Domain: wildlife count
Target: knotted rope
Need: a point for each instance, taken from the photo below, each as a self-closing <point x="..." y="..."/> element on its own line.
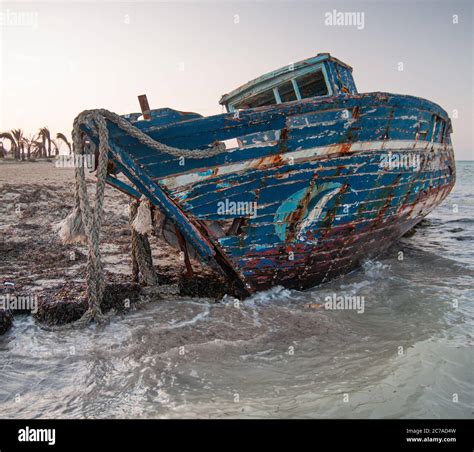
<point x="84" y="222"/>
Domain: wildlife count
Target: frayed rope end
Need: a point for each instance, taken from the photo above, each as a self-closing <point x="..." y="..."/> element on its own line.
<point x="71" y="229"/>
<point x="142" y="223"/>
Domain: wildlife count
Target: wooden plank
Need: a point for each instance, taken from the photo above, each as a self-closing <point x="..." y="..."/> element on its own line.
<point x="145" y="107"/>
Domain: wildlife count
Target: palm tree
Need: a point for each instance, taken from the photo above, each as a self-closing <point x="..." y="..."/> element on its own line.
<point x="37" y="149"/>
<point x="9" y="136"/>
<point x="45" y="137"/>
<point x="40" y="145"/>
<point x="43" y="143"/>
<point x="62" y="137"/>
<point x="30" y="144"/>
<point x="20" y="145"/>
<point x="56" y="147"/>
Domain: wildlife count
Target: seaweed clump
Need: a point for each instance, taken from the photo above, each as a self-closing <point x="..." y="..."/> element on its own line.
<point x="204" y="286"/>
<point x="5" y="321"/>
<point x="69" y="304"/>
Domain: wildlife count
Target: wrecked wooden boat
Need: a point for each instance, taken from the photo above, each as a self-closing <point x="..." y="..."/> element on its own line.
<point x="298" y="182"/>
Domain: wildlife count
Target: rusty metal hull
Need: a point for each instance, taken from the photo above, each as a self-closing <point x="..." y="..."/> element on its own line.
<point x="313" y="189"/>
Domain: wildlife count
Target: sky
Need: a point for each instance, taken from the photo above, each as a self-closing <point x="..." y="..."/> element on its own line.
<point x="60" y="58"/>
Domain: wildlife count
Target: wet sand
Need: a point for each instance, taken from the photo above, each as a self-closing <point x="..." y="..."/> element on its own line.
<point x="34" y="197"/>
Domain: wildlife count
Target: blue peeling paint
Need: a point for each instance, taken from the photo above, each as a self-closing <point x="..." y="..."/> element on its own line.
<point x="328" y="209"/>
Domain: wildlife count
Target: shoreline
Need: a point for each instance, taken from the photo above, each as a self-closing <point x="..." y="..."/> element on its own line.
<point x="33" y="261"/>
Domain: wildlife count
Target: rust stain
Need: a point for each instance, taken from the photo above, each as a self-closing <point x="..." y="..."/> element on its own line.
<point x="297" y="215"/>
<point x="331" y="214"/>
<point x="345" y="147"/>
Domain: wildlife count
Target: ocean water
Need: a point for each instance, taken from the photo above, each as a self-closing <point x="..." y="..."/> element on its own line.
<point x="280" y="354"/>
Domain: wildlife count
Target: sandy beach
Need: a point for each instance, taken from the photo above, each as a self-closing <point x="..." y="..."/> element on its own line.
<point x="34" y="197"/>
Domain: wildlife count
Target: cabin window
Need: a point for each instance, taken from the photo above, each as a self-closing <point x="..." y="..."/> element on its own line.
<point x="259" y="100"/>
<point x="312" y="85"/>
<point x="287" y="92"/>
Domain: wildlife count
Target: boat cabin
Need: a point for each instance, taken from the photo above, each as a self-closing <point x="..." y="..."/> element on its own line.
<point x="319" y="76"/>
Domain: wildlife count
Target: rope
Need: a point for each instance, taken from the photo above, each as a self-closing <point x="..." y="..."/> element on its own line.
<point x="92" y="218"/>
<point x="132" y="211"/>
<point x="143" y="138"/>
<point x="87" y="221"/>
<point x="142" y="260"/>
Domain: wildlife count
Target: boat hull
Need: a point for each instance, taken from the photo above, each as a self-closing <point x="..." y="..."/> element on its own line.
<point x="358" y="208"/>
<point x="314" y="188"/>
